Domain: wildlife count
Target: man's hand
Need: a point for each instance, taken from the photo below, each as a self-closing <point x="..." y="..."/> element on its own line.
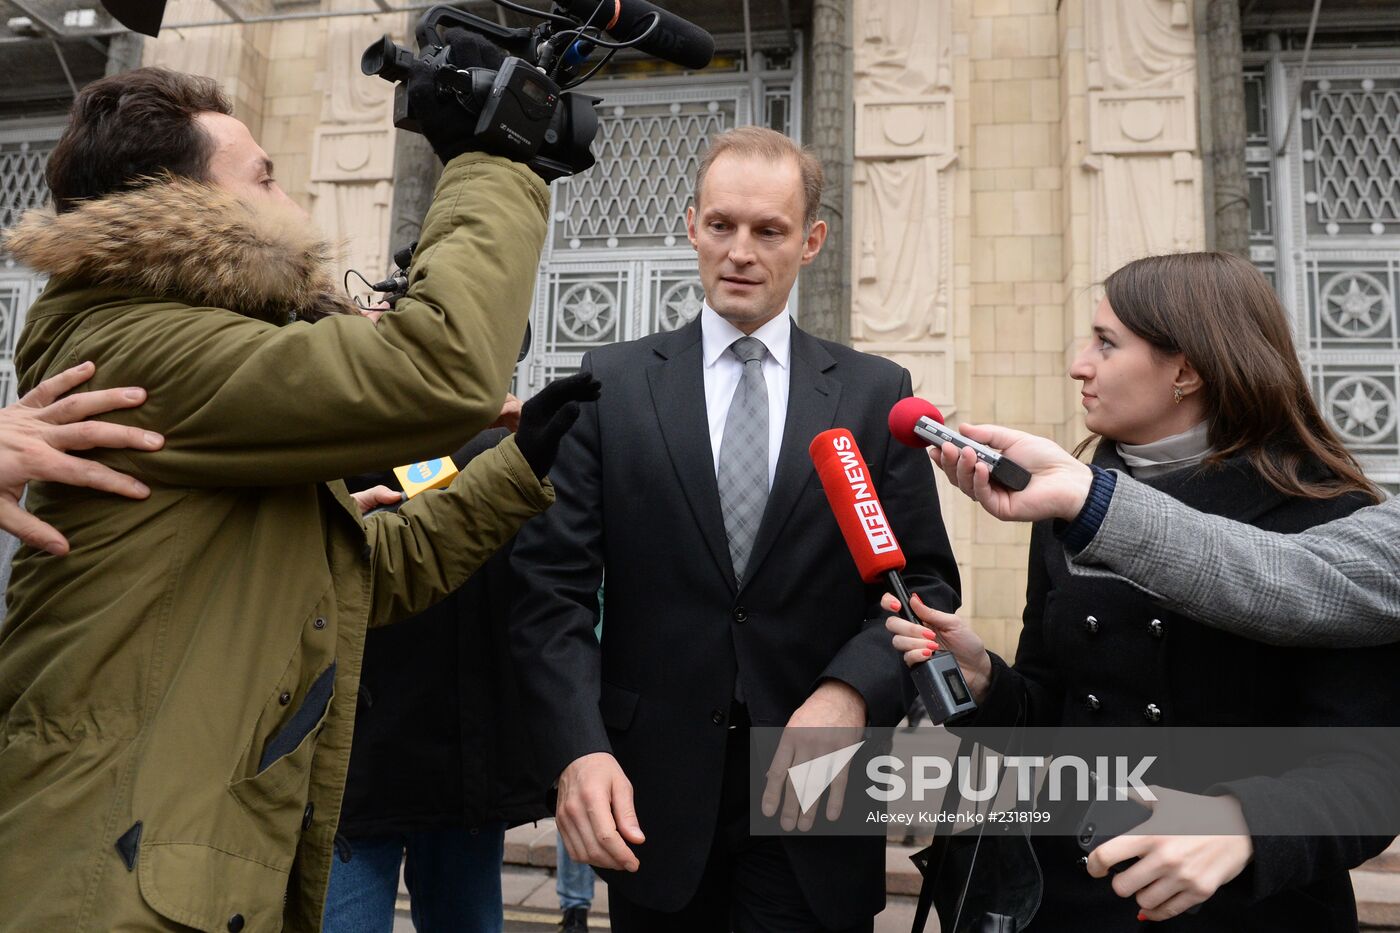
<point x="1059" y="483"/>
<point x="35" y="430"/>
<point x="546" y="418"/>
<point x="376" y="496"/>
<point x="1176" y="872"/>
<point x="832" y="718"/>
<point x="595" y="813"/>
<point x="510" y="415"/>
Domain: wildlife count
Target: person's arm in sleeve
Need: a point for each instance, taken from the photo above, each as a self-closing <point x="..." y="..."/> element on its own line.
<point x="558" y="561"/>
<point x="1335" y="585"/>
<point x="262" y="405"/>
<point x="867" y="662"/>
<point x="438" y="539"/>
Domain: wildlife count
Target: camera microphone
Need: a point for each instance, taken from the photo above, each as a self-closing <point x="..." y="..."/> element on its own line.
<point x="851" y="493"/>
<point x="674" y="39"/>
<point x="915" y="422"/>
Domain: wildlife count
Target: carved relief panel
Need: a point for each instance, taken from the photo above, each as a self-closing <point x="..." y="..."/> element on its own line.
<point x="352" y="159"/>
<point x="1140" y="58"/>
<point x="902" y="210"/>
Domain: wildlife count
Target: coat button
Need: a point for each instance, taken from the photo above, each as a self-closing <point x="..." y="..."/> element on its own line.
<point x="741" y="615"/>
<point x="1153" y="713"/>
<point x="1091" y="703"/>
<point x="320" y="623"/>
<point x="717" y="717"/>
<point x="235" y="923"/>
<point x="1091" y="625"/>
<point x="285" y="698"/>
<point x="1156" y="628"/>
<point x="306" y="816"/>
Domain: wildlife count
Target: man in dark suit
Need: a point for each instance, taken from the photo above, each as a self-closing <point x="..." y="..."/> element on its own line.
<point x="731" y="597"/>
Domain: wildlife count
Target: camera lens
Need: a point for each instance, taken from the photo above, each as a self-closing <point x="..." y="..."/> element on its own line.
<point x="1086" y="835"/>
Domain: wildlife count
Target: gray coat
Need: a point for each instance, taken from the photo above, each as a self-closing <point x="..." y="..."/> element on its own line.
<point x="1335" y="585"/>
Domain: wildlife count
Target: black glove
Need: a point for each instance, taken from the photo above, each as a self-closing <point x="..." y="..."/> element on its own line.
<point x="546" y="418"/>
<point x="449" y="129"/>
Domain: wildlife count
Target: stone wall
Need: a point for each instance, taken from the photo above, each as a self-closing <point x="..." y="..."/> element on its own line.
<point x="1008" y="158"/>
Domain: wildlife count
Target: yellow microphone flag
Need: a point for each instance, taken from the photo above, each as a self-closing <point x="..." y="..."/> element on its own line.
<point x="430" y="474"/>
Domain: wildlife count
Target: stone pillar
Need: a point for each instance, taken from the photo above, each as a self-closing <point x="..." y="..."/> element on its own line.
<point x="416" y="172"/>
<point x="825" y="288"/>
<point x="234" y="55"/>
<point x="1011" y="154"/>
<point x="1228" y="131"/>
<point x="123" y="52"/>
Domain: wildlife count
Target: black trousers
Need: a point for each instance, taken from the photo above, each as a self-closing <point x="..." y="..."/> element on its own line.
<point x="748" y="885"/>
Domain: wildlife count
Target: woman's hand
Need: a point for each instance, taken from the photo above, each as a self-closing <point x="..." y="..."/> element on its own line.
<point x="1059" y="483"/>
<point x="940" y="629"/>
<point x="1176" y="872"/>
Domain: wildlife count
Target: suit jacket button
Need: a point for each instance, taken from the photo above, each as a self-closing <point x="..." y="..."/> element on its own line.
<point x="285" y="698"/>
<point x="1156" y="628"/>
<point x="1153" y="713"/>
<point x="1091" y="625"/>
<point x="1091" y="703"/>
<point x="717" y="717"/>
<point x="235" y="923"/>
<point x="741" y="615"/>
<point x="320" y="623"/>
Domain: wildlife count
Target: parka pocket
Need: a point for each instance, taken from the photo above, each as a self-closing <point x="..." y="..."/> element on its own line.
<point x="276" y="794"/>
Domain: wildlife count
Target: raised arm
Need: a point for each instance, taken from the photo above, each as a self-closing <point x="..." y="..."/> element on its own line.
<point x="1336" y="585"/>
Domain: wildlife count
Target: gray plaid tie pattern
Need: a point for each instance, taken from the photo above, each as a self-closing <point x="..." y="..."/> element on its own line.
<point x="743" y="455"/>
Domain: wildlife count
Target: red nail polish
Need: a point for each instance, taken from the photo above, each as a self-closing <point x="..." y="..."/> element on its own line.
<point x="928" y="652"/>
<point x="929" y="634"/>
<point x="1142" y="916"/>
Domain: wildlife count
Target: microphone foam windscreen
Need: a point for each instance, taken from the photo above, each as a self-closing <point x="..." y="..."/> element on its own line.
<point x="906" y="413"/>
<point x="851" y="494"/>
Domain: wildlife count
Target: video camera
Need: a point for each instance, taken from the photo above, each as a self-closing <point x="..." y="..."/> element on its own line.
<point x="524" y="110"/>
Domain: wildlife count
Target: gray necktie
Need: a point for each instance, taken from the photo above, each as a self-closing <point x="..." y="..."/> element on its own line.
<point x="743" y="455"/>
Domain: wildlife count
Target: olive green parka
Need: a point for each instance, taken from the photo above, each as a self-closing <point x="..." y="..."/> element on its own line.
<point x="177" y="694"/>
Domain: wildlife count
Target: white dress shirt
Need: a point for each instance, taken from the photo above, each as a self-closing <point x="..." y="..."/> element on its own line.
<point x="723" y="372"/>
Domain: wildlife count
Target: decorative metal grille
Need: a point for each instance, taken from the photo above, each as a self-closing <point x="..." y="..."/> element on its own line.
<point x="647" y="147"/>
<point x="22" y="172"/>
<point x="1351" y="135"/>
<point x="24" y="151"/>
<point x="617" y="265"/>
<point x="1326" y="225"/>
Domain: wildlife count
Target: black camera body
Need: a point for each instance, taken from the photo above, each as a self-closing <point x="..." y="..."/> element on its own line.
<point x="518" y="110"/>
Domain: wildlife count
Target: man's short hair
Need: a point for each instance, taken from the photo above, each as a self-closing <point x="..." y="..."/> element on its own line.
<point x="129" y="128"/>
<point x="759" y="142"/>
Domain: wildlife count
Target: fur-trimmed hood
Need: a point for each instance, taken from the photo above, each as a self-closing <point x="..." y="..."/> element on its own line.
<point x="187" y="241"/>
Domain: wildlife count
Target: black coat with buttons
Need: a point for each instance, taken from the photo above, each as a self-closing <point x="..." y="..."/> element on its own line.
<point x="440" y="730"/>
<point x="1096" y="652"/>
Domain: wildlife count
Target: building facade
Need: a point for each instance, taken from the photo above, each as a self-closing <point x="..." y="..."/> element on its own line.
<point x="989" y="162"/>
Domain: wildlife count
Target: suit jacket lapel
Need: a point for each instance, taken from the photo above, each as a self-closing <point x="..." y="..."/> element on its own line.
<point x="677" y="385"/>
<point x="812" y="401"/>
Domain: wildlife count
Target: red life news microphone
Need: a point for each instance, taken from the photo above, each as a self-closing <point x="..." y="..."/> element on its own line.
<point x="872" y="544"/>
<point x="915" y="422"/>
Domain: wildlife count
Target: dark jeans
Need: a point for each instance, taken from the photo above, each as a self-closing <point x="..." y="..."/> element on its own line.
<point x="748" y="885"/>
<point x="453" y="878"/>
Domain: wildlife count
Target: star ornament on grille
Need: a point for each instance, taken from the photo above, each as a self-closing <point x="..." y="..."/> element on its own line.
<point x="1361" y="409"/>
<point x="1355" y="305"/>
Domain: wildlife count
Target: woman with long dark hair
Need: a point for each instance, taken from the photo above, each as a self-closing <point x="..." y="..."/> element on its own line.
<point x="1191" y="384"/>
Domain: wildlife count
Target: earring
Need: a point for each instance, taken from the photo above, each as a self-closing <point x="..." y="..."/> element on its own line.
<point x="1176" y="394"/>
